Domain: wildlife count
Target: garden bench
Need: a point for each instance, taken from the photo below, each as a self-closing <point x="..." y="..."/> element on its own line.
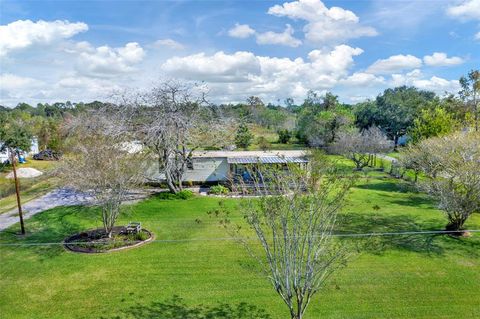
<point x="133" y="227"/>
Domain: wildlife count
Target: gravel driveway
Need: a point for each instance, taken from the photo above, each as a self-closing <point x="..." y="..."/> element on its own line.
<point x="58" y="197"/>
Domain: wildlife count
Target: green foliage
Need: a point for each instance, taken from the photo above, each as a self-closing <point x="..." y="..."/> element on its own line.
<point x="366" y="115"/>
<point x="431" y="123"/>
<point x="379" y="282"/>
<point x="244" y="137"/>
<point x="470" y="93"/>
<point x="218" y="190"/>
<point x="183" y="194"/>
<point x="284" y="136"/>
<point x="263" y="143"/>
<point x="398" y="107"/>
<point x="14" y="133"/>
<point x="321" y="119"/>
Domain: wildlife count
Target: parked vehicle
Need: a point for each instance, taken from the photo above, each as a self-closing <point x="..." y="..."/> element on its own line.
<point x="47" y="155"/>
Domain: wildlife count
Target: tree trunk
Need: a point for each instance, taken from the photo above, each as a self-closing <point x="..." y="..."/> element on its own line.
<point x="17" y="191"/>
<point x="475" y="109"/>
<point x="455" y="225"/>
<point x="395" y="139"/>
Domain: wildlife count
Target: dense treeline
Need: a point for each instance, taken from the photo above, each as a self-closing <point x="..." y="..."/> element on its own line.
<point x="316" y="122"/>
<point x="45" y="120"/>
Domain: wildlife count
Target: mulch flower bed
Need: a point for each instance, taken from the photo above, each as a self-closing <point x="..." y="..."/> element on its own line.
<point x="96" y="241"/>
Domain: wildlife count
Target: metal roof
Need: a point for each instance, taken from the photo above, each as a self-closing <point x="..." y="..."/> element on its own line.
<point x="266" y="160"/>
<point x="269" y="153"/>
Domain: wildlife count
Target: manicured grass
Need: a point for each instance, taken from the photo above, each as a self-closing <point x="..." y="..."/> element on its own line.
<point x="419" y="276"/>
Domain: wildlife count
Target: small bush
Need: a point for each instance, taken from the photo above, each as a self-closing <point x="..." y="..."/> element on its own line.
<point x="284" y="136"/>
<point x="185" y="194"/>
<point x="142" y="235"/>
<point x="219" y="190"/>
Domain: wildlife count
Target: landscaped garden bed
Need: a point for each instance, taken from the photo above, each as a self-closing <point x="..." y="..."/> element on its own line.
<point x="97" y="241"/>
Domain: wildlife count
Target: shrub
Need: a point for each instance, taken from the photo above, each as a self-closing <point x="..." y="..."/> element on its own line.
<point x="142" y="235"/>
<point x="263" y="143"/>
<point x="284" y="136"/>
<point x="184" y="194"/>
<point x="219" y="190"/>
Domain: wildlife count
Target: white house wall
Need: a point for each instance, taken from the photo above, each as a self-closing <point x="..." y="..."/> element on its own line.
<point x="208" y="170"/>
<point x="204" y="170"/>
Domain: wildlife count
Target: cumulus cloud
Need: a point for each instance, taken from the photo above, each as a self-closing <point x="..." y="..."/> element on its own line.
<point x="241" y="31"/>
<point x="283" y="38"/>
<point x="395" y="63"/>
<point x="466" y="10"/>
<point x="243" y="73"/>
<point x="169" y="43"/>
<point x="434" y="83"/>
<point x="12" y="82"/>
<point x="362" y="79"/>
<point x="18" y="87"/>
<point x="220" y="67"/>
<point x="441" y="59"/>
<point x="105" y="61"/>
<point x="25" y="33"/>
<point x="324" y="25"/>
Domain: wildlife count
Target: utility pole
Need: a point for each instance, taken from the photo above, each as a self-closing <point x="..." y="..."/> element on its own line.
<point x="17" y="190"/>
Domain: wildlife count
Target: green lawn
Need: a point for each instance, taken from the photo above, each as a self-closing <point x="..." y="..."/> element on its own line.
<point x="392" y="277"/>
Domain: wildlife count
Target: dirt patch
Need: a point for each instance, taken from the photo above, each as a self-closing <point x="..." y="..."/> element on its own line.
<point x="96" y="241"/>
<point x="25" y="172"/>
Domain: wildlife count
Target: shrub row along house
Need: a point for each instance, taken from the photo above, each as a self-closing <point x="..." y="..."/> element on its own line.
<point x="222" y="166"/>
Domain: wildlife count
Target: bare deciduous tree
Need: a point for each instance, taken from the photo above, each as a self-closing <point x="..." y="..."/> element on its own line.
<point x="452" y="165"/>
<point x="360" y="147"/>
<point x="172" y="120"/>
<point x="293" y="220"/>
<point x="101" y="162"/>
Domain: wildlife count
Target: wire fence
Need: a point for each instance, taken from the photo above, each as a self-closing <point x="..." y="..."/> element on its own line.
<point x="215" y="239"/>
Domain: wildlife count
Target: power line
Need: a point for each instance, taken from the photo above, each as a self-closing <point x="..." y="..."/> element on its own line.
<point x="351" y="235"/>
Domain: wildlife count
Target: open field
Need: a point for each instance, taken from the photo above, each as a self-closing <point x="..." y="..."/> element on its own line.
<point x="421" y="276"/>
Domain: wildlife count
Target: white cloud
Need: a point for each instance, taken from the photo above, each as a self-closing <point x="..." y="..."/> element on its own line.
<point x="241" y="31"/>
<point x="362" y="79"/>
<point x="105" y="61"/>
<point x="324" y="25"/>
<point x="284" y="38"/>
<point x="219" y="67"/>
<point x="434" y="83"/>
<point x="477" y="36"/>
<point x="395" y="63"/>
<point x="466" y="10"/>
<point x="169" y="43"/>
<point x="12" y="82"/>
<point x="242" y="73"/>
<point x="25" y="33"/>
<point x="18" y="88"/>
<point x="441" y="59"/>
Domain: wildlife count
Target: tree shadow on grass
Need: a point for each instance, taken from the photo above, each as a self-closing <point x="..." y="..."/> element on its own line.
<point x="397" y="187"/>
<point x="377" y="223"/>
<point x="429" y="244"/>
<point x="176" y="308"/>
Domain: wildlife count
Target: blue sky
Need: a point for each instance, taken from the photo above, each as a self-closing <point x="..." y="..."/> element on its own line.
<point x="84" y="50"/>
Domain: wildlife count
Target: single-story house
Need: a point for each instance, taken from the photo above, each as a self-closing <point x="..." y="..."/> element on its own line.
<point x="222" y="166"/>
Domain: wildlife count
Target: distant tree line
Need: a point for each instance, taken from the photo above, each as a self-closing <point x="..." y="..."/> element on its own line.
<point x="317" y="122"/>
